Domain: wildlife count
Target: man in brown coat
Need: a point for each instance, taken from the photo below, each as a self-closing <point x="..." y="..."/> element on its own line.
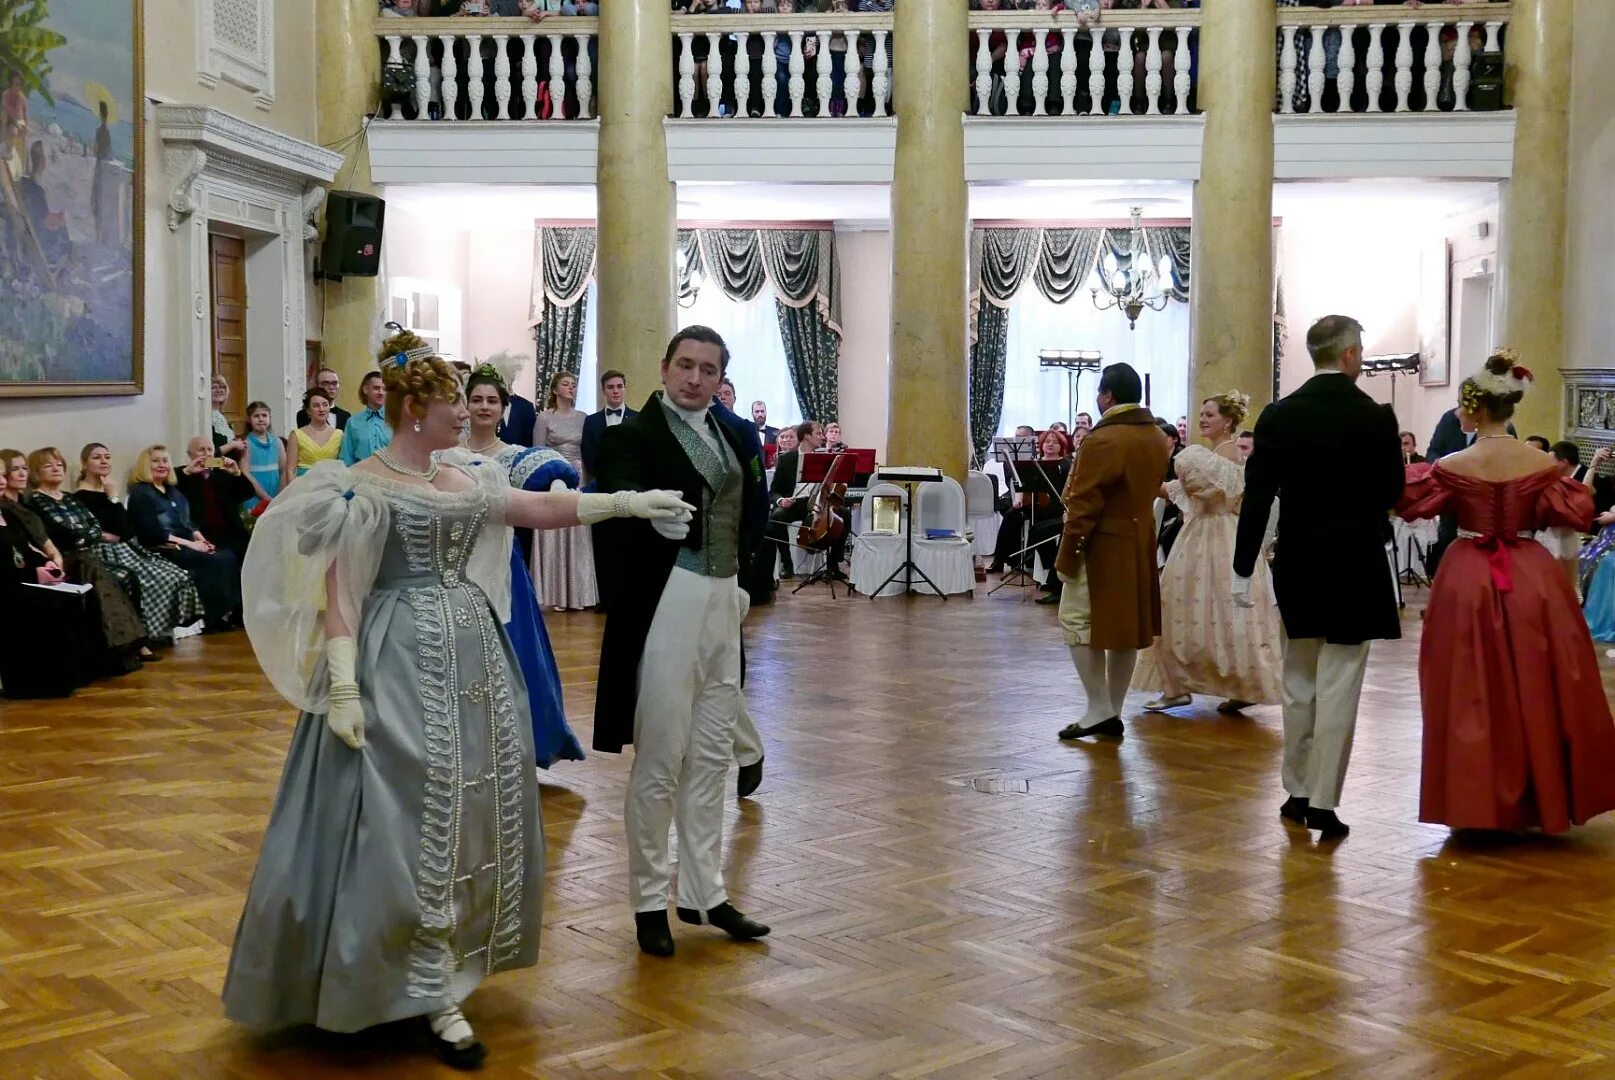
<point x="1111" y="604"/>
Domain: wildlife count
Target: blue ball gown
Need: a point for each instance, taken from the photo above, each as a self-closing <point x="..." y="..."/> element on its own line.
<point x="535" y="468"/>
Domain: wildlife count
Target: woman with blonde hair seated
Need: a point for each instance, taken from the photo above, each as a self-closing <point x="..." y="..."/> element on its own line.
<point x="1208" y="643"/>
<point x="162" y="520"/>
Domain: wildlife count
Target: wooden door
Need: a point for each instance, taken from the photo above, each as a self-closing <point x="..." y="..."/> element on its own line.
<point x="227" y="261"/>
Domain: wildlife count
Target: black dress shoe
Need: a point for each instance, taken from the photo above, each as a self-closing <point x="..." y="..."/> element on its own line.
<point x="1048" y="598"/>
<point x="1113" y="726"/>
<point x="654" y="936"/>
<point x="1294" y="809"/>
<point x="727" y="919"/>
<point x="750" y="779"/>
<point x="1328" y="825"/>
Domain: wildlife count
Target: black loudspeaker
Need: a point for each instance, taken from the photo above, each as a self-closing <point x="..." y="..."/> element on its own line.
<point x="352" y="245"/>
<point x="1486" y="82"/>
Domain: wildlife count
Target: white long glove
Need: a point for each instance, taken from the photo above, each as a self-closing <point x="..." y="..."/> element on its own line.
<point x="649" y="505"/>
<point x="346" y="716"/>
<point x="672" y="528"/>
<point x="1242" y="592"/>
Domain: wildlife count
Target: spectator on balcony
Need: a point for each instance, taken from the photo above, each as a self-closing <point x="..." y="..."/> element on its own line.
<point x="866" y="55"/>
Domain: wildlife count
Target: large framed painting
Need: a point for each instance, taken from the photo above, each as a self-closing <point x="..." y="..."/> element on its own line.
<point x="72" y="172"/>
<point x="1435" y="313"/>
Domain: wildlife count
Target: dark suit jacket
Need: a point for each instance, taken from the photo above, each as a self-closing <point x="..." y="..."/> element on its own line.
<point x="786" y="469"/>
<point x="769" y="435"/>
<point x="339" y="417"/>
<point x="518" y="430"/>
<point x="1449" y="437"/>
<point x="637" y="455"/>
<point x="594" y="429"/>
<point x="1332" y="456"/>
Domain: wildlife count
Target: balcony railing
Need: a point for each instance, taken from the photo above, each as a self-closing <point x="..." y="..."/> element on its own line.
<point x="1020" y="64"/>
<point x="1029" y="63"/>
<point x="1380" y="59"/>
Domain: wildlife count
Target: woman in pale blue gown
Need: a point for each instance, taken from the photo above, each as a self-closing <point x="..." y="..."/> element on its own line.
<point x="530" y="468"/>
<point x="404" y="857"/>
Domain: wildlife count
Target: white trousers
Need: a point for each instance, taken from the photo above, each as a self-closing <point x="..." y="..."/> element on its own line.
<point x="684" y="734"/>
<point x="1322" y="683"/>
<point x="748" y="740"/>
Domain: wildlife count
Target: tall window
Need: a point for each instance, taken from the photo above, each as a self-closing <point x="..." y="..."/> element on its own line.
<point x="1158" y="348"/>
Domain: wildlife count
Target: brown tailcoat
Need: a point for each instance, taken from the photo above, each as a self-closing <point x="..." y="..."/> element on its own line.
<point x="1110" y="527"/>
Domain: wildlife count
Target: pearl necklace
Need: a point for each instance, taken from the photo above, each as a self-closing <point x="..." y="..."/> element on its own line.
<point x="485" y="447"/>
<point x="1478" y="438"/>
<point x="428" y="474"/>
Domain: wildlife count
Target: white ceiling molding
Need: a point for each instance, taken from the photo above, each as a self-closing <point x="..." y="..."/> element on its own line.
<point x="198" y="139"/>
<point x="235" y="42"/>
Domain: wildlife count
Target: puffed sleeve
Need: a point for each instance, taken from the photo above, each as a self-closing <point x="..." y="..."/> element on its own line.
<point x="538" y="468"/>
<point x="1423" y="495"/>
<point x="329" y="517"/>
<point x="1203" y="475"/>
<point x="1565" y="503"/>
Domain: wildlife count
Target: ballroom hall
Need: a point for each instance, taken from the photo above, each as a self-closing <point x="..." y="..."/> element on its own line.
<point x="924" y="230"/>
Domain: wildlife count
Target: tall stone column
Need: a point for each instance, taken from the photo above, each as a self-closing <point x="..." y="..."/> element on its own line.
<point x="1232" y="283"/>
<point x="634" y="259"/>
<point x="928" y="406"/>
<point x="348" y="78"/>
<point x="1532" y="237"/>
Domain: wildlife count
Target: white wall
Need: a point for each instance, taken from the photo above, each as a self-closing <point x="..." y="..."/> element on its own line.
<point x="497" y="293"/>
<point x="866" y="317"/>
<point x="1367" y="259"/>
<point x="161" y="413"/>
<point x="1589" y="314"/>
<point x="433" y="255"/>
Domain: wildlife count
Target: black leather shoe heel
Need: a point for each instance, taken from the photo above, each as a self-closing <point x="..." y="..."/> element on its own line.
<point x="654" y="936"/>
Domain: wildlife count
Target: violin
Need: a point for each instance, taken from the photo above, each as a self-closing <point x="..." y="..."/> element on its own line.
<point x="826" y="522"/>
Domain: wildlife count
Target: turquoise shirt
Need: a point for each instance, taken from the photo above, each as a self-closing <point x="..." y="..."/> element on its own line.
<point x="366" y="433"/>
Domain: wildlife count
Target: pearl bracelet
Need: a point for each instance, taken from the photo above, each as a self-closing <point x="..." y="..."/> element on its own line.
<point x="342" y="693"/>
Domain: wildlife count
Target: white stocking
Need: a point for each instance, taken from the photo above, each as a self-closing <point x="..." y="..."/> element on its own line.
<point x="451" y="1026"/>
<point x="1119" y="665"/>
<point x="1091" y="670"/>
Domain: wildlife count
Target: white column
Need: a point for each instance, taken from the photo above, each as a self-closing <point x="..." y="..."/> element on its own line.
<point x="1287" y="71"/>
<point x="714" y="76"/>
<point x="882" y="79"/>
<point x="686" y="75"/>
<point x="1347" y="81"/>
<point x="743" y="72"/>
<point x="530" y="75"/>
<point x="473" y="82"/>
<point x="1040" y="72"/>
<point x="984" y="74"/>
<point x="1315" y="71"/>
<point x="1404" y="66"/>
<point x="1376" y="66"/>
<point x="423" y="76"/>
<point x="1152" y="73"/>
<point x="824" y="86"/>
<point x="1461" y="59"/>
<point x="557" y="78"/>
<point x="501" y="74"/>
<point x="451" y="77"/>
<point x="1096" y="73"/>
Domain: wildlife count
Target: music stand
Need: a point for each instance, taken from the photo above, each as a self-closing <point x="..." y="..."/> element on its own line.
<point x="1010" y="450"/>
<point x="826" y="468"/>
<point x="909" y="480"/>
<point x="1033" y="480"/>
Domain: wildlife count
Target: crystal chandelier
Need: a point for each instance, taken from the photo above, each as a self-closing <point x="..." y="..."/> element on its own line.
<point x="1136" y="286"/>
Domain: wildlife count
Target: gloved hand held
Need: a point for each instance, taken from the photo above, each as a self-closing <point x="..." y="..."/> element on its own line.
<point x="1242" y="592"/>
<point x="559" y="485"/>
<point x="671" y="529"/>
<point x="648" y="505"/>
<point x="345" y="717"/>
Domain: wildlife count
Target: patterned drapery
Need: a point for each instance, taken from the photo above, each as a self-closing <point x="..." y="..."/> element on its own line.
<point x="558" y="341"/>
<point x="1058" y="261"/>
<point x="800" y="265"/>
<point x="988" y="355"/>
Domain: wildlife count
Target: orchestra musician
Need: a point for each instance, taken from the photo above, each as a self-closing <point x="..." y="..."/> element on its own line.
<point x="1054" y="452"/>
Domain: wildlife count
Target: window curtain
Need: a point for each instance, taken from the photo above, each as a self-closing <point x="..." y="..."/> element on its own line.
<point x="798" y="266"/>
<point x="1281" y="326"/>
<point x="1061" y="263"/>
<point x="563" y="267"/>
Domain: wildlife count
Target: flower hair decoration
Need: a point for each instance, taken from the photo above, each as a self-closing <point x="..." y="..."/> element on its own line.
<point x="488" y="371"/>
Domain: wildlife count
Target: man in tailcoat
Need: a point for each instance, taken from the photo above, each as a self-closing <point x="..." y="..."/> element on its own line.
<point x="1332" y="456"/>
<point x="1110" y="605"/>
<point x="670" y="661"/>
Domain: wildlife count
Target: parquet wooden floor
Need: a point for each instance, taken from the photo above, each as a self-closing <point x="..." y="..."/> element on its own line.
<point x="954" y="894"/>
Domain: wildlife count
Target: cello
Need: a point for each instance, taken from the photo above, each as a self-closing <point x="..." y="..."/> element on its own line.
<point x="826" y="523"/>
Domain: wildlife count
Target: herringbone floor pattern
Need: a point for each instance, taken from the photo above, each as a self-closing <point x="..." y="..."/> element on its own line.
<point x="953" y="892"/>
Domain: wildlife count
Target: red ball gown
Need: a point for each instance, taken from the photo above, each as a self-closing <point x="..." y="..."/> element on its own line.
<point x="1517" y="730"/>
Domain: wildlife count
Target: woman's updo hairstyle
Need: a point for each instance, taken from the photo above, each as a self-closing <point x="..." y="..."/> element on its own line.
<point x="488" y="375"/>
<point x="1232" y="406"/>
<point x="1497" y="387"/>
<point x="410" y="369"/>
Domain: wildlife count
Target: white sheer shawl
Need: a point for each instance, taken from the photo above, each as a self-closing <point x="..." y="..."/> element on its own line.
<point x="339" y="516"/>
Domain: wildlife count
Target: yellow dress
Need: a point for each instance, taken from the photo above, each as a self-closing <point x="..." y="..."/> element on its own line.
<point x="309" y="452"/>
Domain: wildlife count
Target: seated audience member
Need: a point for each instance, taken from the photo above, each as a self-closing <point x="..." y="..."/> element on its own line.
<point x="792" y="501"/>
<point x="1538" y="441"/>
<point x="266" y="455"/>
<point x="786" y="440"/>
<point x="1044" y="518"/>
<point x="167" y="596"/>
<point x="48" y="640"/>
<point x="316" y="441"/>
<point x="1246" y="442"/>
<point x="1025" y="431"/>
<point x="77" y="537"/>
<point x="1410" y="449"/>
<point x="161" y="516"/>
<point x="215" y="489"/>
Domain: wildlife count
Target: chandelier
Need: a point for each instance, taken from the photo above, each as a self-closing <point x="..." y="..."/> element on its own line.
<point x="1137" y="285"/>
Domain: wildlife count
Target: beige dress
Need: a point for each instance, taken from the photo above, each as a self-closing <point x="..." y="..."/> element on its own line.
<point x="563" y="559"/>
<point x="1209" y="644"/>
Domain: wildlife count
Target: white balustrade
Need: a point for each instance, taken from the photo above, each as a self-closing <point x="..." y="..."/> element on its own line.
<point x="1429" y="69"/>
<point x="825" y="87"/>
<point x="495" y="68"/>
<point x="501" y="74"/>
<point x="882" y="80"/>
<point x="585" y="79"/>
<point x="451" y="78"/>
<point x="473" y="74"/>
<point x="743" y="74"/>
<point x="1068" y="74"/>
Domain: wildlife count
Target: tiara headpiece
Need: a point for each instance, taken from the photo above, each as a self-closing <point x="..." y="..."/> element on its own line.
<point x="404" y="356"/>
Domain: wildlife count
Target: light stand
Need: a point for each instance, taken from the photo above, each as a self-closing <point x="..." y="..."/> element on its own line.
<point x="1074" y="362"/>
<point x="1392" y="364"/>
